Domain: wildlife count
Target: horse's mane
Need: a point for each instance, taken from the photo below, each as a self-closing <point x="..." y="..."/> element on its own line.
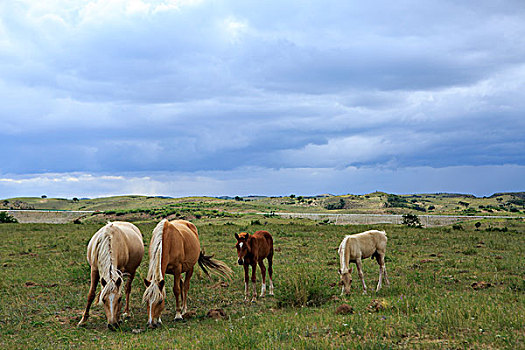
<point x="153" y="292"/>
<point x="342" y="254"/>
<point x="102" y="257"/>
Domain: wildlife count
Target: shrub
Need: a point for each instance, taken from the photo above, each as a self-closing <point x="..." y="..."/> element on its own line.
<point x="336" y="205"/>
<point x="5" y="218"/>
<point x="411" y="220"/>
<point x="303" y="288"/>
<point x="457" y="227"/>
<point x="393" y="201"/>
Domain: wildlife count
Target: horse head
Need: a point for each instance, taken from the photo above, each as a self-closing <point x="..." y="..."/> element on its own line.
<point x="346" y="281"/>
<point x="111" y="297"/>
<point x="243" y="246"/>
<point x="154" y="297"/>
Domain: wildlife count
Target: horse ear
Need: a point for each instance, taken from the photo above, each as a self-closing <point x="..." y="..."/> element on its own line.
<point x="236" y="236"/>
<point x="118" y="282"/>
<point x="146" y="282"/>
<point x="161" y="284"/>
<point x="103" y="282"/>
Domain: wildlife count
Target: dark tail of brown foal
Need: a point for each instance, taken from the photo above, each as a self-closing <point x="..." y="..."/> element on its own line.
<point x="215" y="266"/>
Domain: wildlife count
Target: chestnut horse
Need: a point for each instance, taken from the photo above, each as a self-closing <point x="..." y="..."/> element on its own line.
<point x="114" y="251"/>
<point x="252" y="250"/>
<point x="174" y="249"/>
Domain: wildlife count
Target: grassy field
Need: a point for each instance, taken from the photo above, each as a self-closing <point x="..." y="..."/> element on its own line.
<point x="449" y="289"/>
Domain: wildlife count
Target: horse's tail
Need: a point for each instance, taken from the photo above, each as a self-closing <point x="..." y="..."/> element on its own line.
<point x="215" y="266"/>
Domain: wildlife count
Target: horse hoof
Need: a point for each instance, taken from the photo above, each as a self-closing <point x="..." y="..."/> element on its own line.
<point x="126" y="315"/>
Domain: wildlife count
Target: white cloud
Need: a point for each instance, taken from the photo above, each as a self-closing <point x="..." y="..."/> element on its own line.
<point x="278" y="182"/>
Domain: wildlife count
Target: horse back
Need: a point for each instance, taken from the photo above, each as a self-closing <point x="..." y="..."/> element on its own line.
<point x="128" y="245"/>
<point x="367" y="244"/>
<point x="262" y="245"/>
<point x="181" y="244"/>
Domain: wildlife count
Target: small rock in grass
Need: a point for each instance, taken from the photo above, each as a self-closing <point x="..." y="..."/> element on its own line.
<point x="216" y="314"/>
<point x="377" y="305"/>
<point x="480" y="285"/>
<point x="189" y="314"/>
<point x="344" y="309"/>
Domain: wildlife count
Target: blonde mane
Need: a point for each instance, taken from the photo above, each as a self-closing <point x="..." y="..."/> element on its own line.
<point x="342" y="255"/>
<point x="153" y="293"/>
<point x="102" y="257"/>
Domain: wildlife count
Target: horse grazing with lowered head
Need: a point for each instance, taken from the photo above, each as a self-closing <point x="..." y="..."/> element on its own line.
<point x="252" y="250"/>
<point x="174" y="249"/>
<point x="354" y="248"/>
<point x="114" y="251"/>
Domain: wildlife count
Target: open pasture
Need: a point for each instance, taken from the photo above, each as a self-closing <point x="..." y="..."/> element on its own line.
<point x="449" y="289"/>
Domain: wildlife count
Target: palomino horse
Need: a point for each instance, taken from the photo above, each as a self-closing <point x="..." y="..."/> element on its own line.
<point x="114" y="251"/>
<point x="174" y="249"/>
<point x="252" y="250"/>
<point x="354" y="248"/>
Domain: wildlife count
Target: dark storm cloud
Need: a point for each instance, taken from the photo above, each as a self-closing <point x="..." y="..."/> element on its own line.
<point x="112" y="87"/>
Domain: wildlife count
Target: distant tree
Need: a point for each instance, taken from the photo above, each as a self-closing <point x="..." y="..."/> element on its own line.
<point x="411" y="220"/>
<point x="75" y="199"/>
<point x="336" y="205"/>
<point x="292" y="196"/>
<point x="431" y="207"/>
<point x="44" y="196"/>
<point x="237" y="198"/>
<point x="5" y="218"/>
<point x="396" y="201"/>
<point x="477" y="224"/>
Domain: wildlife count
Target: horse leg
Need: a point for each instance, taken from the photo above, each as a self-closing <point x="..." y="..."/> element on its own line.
<point x="128" y="292"/>
<point x="182" y="295"/>
<point x="263" y="274"/>
<point x="381" y="264"/>
<point x="246" y="280"/>
<point x="270" y="272"/>
<point x="360" y="273"/>
<point x="185" y="290"/>
<point x="91" y="295"/>
<point x="177" y="292"/>
<point x="254" y="280"/>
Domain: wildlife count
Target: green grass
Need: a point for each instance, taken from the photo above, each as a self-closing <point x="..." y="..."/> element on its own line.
<point x="44" y="279"/>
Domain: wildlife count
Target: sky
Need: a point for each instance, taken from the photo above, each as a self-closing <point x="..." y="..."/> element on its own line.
<point x="197" y="97"/>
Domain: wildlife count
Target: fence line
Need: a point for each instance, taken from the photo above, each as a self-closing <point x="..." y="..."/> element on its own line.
<point x="426" y="220"/>
<point x="46" y="216"/>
